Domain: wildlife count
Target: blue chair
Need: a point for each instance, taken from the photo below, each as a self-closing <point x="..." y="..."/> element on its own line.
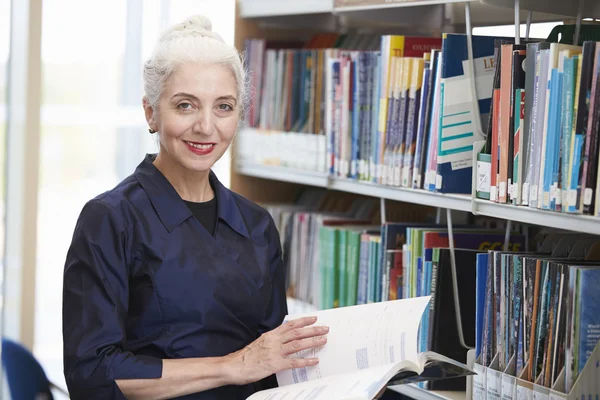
<point x="26" y="377"/>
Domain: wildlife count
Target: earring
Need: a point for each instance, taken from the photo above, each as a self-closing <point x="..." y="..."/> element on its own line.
<point x="151" y="131"/>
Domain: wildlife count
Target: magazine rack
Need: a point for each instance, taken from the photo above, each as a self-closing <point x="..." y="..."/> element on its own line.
<point x="489" y="383"/>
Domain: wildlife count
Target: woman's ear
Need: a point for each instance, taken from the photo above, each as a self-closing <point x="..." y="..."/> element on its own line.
<point x="150" y="114"/>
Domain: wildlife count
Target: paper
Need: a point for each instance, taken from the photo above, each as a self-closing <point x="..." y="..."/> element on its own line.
<point x="361" y="337"/>
<point x="356" y="386"/>
<point x="479" y="386"/>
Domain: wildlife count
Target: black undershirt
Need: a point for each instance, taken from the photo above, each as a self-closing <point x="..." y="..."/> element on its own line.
<point x="206" y="213"/>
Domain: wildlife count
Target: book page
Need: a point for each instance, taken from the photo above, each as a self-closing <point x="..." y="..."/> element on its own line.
<point x="361" y="337"/>
<point x="360" y="385"/>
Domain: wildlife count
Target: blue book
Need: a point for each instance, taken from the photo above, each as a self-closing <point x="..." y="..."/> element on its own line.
<point x="588" y="318"/>
<point x="424" y="112"/>
<point x="375" y="138"/>
<point x="459" y="121"/>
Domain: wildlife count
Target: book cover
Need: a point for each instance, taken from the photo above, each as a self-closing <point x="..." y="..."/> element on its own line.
<point x="580" y="126"/>
<point x="504" y="127"/>
<point x="491" y="146"/>
<point x="412" y="123"/>
<point x="424" y="121"/>
<point x="516" y="114"/>
<point x="590" y="158"/>
<point x="460" y="121"/>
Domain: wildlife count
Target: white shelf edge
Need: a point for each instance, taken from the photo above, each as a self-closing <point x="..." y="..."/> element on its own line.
<point x="278" y="8"/>
<point x="534" y="216"/>
<point x="417" y="393"/>
<point x="341" y="9"/>
<point x="417" y="196"/>
<point x="551" y="219"/>
<point x="284" y="174"/>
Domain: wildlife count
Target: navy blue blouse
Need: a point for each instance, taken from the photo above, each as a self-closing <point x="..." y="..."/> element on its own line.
<point x="145" y="281"/>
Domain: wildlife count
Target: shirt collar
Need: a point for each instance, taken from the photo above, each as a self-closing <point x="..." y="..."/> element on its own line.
<point x="171" y="209"/>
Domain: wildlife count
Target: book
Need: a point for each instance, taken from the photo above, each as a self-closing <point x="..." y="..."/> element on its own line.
<point x="369" y="347"/>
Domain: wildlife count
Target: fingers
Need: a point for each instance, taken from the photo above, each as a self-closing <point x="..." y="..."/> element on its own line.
<point x="295" y="324"/>
<point x="304" y="333"/>
<point x="302" y="344"/>
<point x="302" y="362"/>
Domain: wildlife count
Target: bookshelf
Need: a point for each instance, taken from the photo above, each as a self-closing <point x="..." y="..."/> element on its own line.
<point x="276" y="19"/>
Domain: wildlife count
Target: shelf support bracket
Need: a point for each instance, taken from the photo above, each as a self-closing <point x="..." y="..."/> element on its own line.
<point x="517" y="22"/>
<point x="528" y="26"/>
<point x="461" y="335"/>
<point x="578" y="23"/>
<point x="507" y="234"/>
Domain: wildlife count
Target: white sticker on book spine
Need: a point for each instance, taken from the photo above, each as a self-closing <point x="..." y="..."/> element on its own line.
<point x="502" y="190"/>
<point x="484" y="170"/>
<point x="572" y="198"/>
<point x="587" y="196"/>
<point x="438" y="181"/>
<point x="546" y="199"/>
<point x="493" y="193"/>
<point x="534" y="194"/>
<point x="525" y="198"/>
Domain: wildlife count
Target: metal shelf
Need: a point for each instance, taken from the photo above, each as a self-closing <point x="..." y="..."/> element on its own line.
<point x="552" y="219"/>
<point x="414" y="392"/>
<point x="568" y="8"/>
<point x="419" y="14"/>
<point x="284" y="174"/>
<point x="273" y="8"/>
<point x="416" y="196"/>
<point x="571" y="222"/>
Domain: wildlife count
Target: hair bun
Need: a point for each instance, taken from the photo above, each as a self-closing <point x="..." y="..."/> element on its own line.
<point x="198" y="22"/>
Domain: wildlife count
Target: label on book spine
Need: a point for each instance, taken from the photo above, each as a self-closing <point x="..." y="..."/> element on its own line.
<point x="572" y="199"/>
<point x="484" y="171"/>
<point x="405" y="177"/>
<point x="525" y="198"/>
<point x="438" y="181"/>
<point x="397" y="176"/>
<point x="494" y="193"/>
<point x="546" y="200"/>
<point x="587" y="196"/>
<point x="534" y="194"/>
<point x="502" y="189"/>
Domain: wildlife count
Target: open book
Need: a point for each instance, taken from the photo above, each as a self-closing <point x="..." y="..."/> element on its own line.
<point x="369" y="347"/>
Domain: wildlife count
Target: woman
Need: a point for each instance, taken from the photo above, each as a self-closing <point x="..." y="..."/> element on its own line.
<point x="174" y="285"/>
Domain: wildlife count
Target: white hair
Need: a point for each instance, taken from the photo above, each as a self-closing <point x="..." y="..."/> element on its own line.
<point x="190" y="41"/>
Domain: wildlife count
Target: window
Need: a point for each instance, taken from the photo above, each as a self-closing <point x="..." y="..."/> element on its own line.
<point x="5" y="12"/>
<point x="93" y="131"/>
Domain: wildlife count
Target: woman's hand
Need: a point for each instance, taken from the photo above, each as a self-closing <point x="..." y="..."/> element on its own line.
<point x="269" y="353"/>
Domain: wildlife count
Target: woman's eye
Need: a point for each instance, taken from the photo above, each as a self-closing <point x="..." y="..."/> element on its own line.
<point x="184" y="106"/>
<point x="225" y="107"/>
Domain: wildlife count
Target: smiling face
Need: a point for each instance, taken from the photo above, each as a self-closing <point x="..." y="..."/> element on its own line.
<point x="197" y="116"/>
